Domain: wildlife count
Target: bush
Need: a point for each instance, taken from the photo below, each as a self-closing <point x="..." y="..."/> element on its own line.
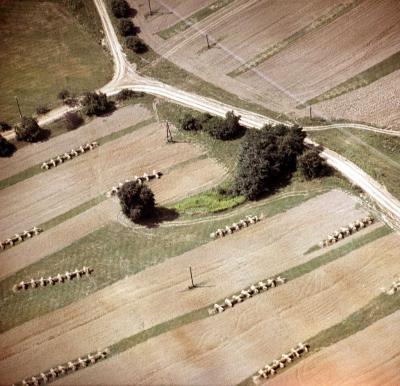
<point x="189" y="123"/>
<point x="137" y="201"/>
<point x="71" y="101"/>
<point x="64" y="94"/>
<point x="229" y="129"/>
<point x="136" y="44"/>
<point x="312" y="165"/>
<point x="127" y="94"/>
<point x="120" y="8"/>
<point x="7" y="148"/>
<point x="127" y="28"/>
<point x="42" y="110"/>
<point x="73" y="120"/>
<point x="4" y="126"/>
<point x="267" y="157"/>
<point x="30" y="131"/>
<point x="96" y="103"/>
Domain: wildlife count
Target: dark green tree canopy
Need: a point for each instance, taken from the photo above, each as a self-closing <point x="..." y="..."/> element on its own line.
<point x="137" y="201"/>
<point x="120" y="8"/>
<point x="7" y="148"/>
<point x="136" y="44"/>
<point x="189" y="123"/>
<point x="224" y="129"/>
<point x="29" y="130"/>
<point x="96" y="103"/>
<point x="312" y="165"/>
<point x="127" y="28"/>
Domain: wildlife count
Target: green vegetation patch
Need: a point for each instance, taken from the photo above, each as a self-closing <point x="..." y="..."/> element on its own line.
<point x="364" y="78"/>
<point x="376" y="154"/>
<point x="193" y="19"/>
<point x="57" y="50"/>
<point x="318" y="23"/>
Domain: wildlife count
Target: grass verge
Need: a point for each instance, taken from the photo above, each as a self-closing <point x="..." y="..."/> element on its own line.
<point x="364" y="78"/>
<point x="318" y="23"/>
<point x="193" y="19"/>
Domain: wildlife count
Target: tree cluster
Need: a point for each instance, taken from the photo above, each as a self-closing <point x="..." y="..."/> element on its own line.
<point x="30" y="131"/>
<point x="96" y="103"/>
<point x="72" y="120"/>
<point x="127" y="28"/>
<point x="7" y="148"/>
<point x="267" y="157"/>
<point x="219" y="128"/>
<point x="125" y="94"/>
<point x="136" y="44"/>
<point x="312" y="165"/>
<point x="120" y="8"/>
<point x="137" y="201"/>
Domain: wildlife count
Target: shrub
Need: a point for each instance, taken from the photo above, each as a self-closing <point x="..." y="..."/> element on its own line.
<point x="136" y="44"/>
<point x="224" y="129"/>
<point x="137" y="201"/>
<point x="189" y="123"/>
<point x="96" y="103"/>
<point x="312" y="165"/>
<point x="4" y="126"/>
<point x="127" y="94"/>
<point x="7" y="148"/>
<point x="127" y="28"/>
<point x="64" y="94"/>
<point x="42" y="110"/>
<point x="30" y="131"/>
<point x="267" y="157"/>
<point x="71" y="101"/>
<point x="120" y="8"/>
<point x="73" y="120"/>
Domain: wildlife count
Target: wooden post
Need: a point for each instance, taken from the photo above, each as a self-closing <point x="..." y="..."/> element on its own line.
<point x="19" y="109"/>
<point x="169" y="134"/>
<point x="151" y="12"/>
<point x="208" y="43"/>
<point x="191" y="279"/>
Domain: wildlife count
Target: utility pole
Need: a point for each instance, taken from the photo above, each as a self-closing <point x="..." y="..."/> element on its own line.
<point x="191" y="279"/>
<point x="208" y="43"/>
<point x="169" y="134"/>
<point x="19" y="109"/>
<point x="310" y="113"/>
<point x="151" y="12"/>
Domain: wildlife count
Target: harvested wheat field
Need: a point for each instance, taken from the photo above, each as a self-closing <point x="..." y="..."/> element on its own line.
<point x="49" y="194"/>
<point x="377" y="103"/>
<point x="122" y="309"/>
<point x="225" y="349"/>
<point x="370" y="357"/>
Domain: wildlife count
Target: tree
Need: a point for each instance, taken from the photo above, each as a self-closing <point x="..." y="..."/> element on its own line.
<point x="224" y="129"/>
<point x="267" y="157"/>
<point x="137" y="201"/>
<point x="4" y="126"/>
<point x="127" y="94"/>
<point x="136" y="44"/>
<point x="96" y="103"/>
<point x="127" y="28"/>
<point x="72" y="120"/>
<point x="189" y="123"/>
<point x="7" y="148"/>
<point x="64" y="94"/>
<point x="120" y="8"/>
<point x="312" y="165"/>
<point x="29" y="130"/>
<point x="42" y="109"/>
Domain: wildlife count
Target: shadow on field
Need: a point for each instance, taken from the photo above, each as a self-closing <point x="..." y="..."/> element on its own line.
<point x="161" y="215"/>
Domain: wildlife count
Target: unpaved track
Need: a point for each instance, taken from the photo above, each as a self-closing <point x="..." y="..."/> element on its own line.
<point x="370" y="357"/>
<point x="138" y="302"/>
<point x="225" y="349"/>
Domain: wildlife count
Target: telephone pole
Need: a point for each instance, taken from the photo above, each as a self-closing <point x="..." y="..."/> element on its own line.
<point x="191" y="279"/>
<point x="310" y="113"/>
<point x="208" y="43"/>
<point x="169" y="134"/>
<point x="150" y="11"/>
<point x="19" y="109"/>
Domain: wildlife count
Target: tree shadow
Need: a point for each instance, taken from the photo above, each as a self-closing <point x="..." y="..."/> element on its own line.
<point x="44" y="135"/>
<point x="161" y="214"/>
<point x="132" y="12"/>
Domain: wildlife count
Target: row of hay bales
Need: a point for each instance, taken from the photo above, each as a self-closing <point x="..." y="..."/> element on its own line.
<point x="19" y="237"/>
<point x="146" y="177"/>
<point x="394" y="287"/>
<point x="347" y="231"/>
<point x="53" y="162"/>
<point x="56" y="372"/>
<point x="254" y="289"/>
<point x="229" y="229"/>
<point x="277" y="364"/>
<point x="51" y="280"/>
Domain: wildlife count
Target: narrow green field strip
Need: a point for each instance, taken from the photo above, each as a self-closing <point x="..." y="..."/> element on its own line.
<point x="193" y="19"/>
<point x="109" y="251"/>
<point x="318" y="23"/>
<point x="32" y="171"/>
<point x="364" y="78"/>
<point x="378" y="308"/>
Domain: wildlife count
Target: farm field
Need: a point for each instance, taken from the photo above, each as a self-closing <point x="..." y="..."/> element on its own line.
<point x="123" y="309"/>
<point x="377" y="360"/>
<point x="66" y="53"/>
<point x="256" y="331"/>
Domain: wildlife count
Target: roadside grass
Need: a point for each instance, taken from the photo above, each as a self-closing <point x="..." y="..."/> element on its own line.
<point x="378" y="155"/>
<point x="57" y="50"/>
<point x="193" y="19"/>
<point x="318" y="23"/>
<point x="32" y="171"/>
<point x="364" y="78"/>
<point x="115" y="251"/>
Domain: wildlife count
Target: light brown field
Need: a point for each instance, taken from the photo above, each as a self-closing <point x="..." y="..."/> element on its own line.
<point x="225" y="349"/>
<point x="370" y="357"/>
<point x="138" y="302"/>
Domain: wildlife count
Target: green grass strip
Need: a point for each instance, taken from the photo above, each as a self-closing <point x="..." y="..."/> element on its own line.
<point x="193" y="19"/>
<point x="364" y="78"/>
<point x="34" y="170"/>
<point x="318" y="23"/>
